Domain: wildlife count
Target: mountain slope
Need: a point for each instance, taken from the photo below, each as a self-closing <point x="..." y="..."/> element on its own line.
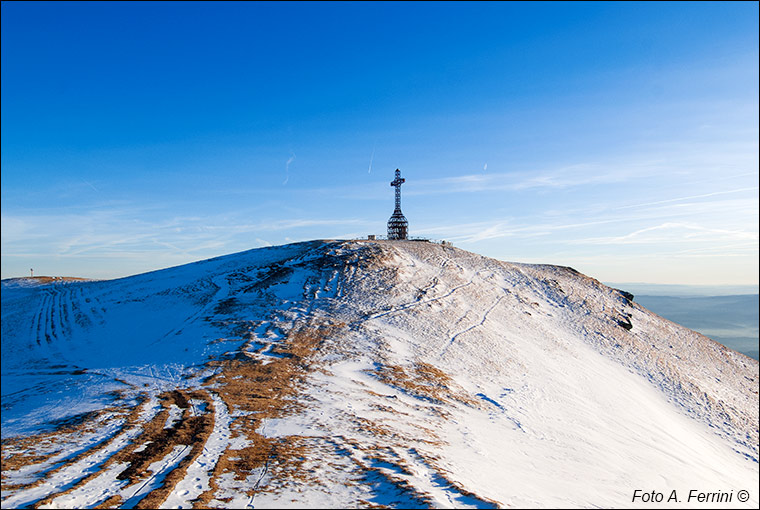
<point x="329" y="374"/>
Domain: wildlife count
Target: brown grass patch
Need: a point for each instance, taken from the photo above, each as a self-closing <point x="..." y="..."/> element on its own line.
<point x="162" y="440"/>
<point x="265" y="391"/>
<point x="426" y="382"/>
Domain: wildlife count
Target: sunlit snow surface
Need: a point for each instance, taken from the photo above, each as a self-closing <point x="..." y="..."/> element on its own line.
<point x="434" y="377"/>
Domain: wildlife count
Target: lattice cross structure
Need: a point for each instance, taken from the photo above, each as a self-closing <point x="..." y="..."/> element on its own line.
<point x="398" y="227"/>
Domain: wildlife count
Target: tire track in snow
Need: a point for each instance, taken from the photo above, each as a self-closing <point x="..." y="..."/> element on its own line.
<point x="113" y="485"/>
<point x="45" y="318"/>
<point x="68" y="311"/>
<point x="59" y="317"/>
<point x="71" y="474"/>
<point x="38" y="320"/>
<point x="56" y="314"/>
<point x="65" y="317"/>
<point x="197" y="476"/>
<point x="50" y="316"/>
<point x="91" y="494"/>
<point x="73" y="449"/>
<point x="54" y="317"/>
<point x="160" y="469"/>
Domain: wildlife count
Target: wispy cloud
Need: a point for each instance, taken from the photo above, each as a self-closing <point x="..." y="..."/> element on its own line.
<point x="523" y="228"/>
<point x="123" y="234"/>
<point x="674" y="233"/>
<point x="691" y="197"/>
<point x="522" y="180"/>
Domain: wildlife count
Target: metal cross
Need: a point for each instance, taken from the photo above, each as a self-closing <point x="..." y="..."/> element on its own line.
<point x="397" y="182"/>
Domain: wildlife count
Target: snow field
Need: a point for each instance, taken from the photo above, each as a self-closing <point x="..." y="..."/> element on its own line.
<point x="435" y="378"/>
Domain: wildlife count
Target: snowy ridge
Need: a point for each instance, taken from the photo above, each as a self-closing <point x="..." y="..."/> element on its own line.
<point x="344" y="374"/>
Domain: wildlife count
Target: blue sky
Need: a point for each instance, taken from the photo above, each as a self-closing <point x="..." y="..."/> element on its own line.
<point x="617" y="138"/>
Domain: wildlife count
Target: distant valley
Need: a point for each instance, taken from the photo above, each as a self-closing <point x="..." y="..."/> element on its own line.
<point x="730" y="320"/>
<point x="727" y="314"/>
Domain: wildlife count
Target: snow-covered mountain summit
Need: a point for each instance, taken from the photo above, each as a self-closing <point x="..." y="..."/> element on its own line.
<point x="360" y="373"/>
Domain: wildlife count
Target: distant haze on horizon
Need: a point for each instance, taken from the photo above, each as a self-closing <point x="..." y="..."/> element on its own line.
<point x="653" y="289"/>
<point x="620" y="139"/>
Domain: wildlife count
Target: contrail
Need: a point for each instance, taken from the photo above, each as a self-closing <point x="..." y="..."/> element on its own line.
<point x="287" y="167"/>
<point x="371" y="158"/>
